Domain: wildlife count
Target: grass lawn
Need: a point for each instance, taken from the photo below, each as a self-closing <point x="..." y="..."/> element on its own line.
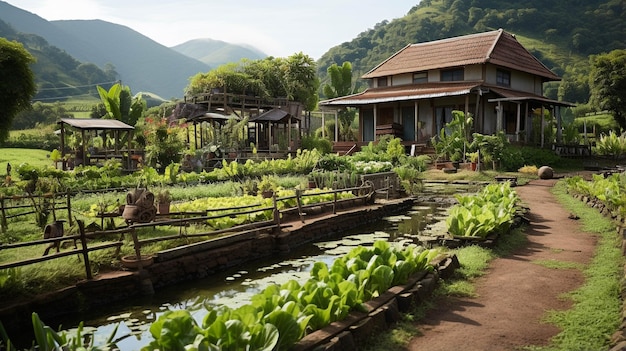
<point x="16" y="157"/>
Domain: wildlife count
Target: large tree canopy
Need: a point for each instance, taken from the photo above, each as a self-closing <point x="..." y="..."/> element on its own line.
<point x="293" y="77"/>
<point x="608" y="84"/>
<point x="17" y="83"/>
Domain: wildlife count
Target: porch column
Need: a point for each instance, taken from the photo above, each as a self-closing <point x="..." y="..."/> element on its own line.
<point x="336" y="126"/>
<point x="477" y="124"/>
<point x="519" y="120"/>
<point x="466" y="105"/>
<point x="529" y="121"/>
<point x="375" y="119"/>
<point x="499" y="117"/>
<point x="542" y="126"/>
<point x="416" y="120"/>
<point x="559" y="132"/>
<point x="323" y="124"/>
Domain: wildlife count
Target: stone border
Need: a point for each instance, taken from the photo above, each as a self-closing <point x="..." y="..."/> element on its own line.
<point x="382" y="312"/>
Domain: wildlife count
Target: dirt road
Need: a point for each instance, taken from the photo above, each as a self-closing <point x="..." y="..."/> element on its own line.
<point x="516" y="292"/>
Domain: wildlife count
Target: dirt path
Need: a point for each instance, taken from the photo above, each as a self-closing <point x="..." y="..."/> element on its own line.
<point x="516" y="292"/>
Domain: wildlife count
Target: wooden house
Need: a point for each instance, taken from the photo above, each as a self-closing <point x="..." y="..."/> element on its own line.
<point x="489" y="75"/>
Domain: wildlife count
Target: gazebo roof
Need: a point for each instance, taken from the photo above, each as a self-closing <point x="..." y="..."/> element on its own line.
<point x="274" y="115"/>
<point x="96" y="124"/>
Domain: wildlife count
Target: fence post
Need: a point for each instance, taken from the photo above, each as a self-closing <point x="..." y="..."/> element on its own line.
<point x="335" y="202"/>
<point x="83" y="242"/>
<point x="276" y="213"/>
<point x="69" y="208"/>
<point x="4" y="215"/>
<point x="137" y="248"/>
<point x="299" y="203"/>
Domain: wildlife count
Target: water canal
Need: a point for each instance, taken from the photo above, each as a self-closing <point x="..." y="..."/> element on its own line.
<point x="234" y="287"/>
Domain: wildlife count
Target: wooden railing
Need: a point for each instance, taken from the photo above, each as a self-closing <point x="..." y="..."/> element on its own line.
<point x="241" y="232"/>
<point x="29" y="204"/>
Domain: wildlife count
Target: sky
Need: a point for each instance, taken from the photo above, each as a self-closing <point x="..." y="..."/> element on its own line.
<point x="279" y="28"/>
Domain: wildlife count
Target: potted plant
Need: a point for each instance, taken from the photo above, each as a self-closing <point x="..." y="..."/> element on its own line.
<point x="267" y="185"/>
<point x="164" y="199"/>
<point x="473" y="157"/>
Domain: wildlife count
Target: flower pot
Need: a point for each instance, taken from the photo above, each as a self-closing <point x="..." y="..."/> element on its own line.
<point x="132" y="262"/>
<point x="164" y="208"/>
<point x="473" y="166"/>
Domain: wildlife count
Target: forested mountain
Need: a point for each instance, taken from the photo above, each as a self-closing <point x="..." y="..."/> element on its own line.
<point x="561" y="33"/>
<point x="57" y="73"/>
<point x="140" y="62"/>
<point x="216" y="52"/>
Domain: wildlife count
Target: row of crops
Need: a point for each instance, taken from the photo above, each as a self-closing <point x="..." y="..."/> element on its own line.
<point x="611" y="190"/>
<point x="280" y="315"/>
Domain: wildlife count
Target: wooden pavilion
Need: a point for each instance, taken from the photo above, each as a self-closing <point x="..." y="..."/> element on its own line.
<point x="266" y="116"/>
<point x="104" y="128"/>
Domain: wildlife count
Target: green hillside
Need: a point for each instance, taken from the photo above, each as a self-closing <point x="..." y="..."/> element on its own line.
<point x="216" y="52"/>
<point x="561" y="33"/>
<point x="58" y="74"/>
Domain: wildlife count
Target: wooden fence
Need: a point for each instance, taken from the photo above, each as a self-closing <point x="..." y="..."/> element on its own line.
<point x="363" y="194"/>
<point x="23" y="205"/>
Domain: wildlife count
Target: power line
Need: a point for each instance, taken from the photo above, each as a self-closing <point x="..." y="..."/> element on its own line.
<point x="63" y="97"/>
<point x="78" y="86"/>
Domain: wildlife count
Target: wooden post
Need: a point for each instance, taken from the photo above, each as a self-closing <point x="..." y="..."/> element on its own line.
<point x="299" y="203"/>
<point x="69" y="207"/>
<point x="335" y="202"/>
<point x="276" y="213"/>
<point x="4" y="215"/>
<point x="83" y="242"/>
<point x="137" y="248"/>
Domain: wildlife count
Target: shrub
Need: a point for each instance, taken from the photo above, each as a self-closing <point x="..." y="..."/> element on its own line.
<point x="324" y="146"/>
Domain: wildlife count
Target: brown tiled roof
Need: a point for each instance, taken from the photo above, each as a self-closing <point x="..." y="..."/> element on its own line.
<point x="514" y="95"/>
<point x="497" y="47"/>
<point x="403" y="93"/>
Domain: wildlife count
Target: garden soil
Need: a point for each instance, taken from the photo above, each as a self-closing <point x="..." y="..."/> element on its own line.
<point x="515" y="294"/>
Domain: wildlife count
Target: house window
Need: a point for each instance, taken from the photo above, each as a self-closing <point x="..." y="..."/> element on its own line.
<point x="452" y="75"/>
<point x="420" y="77"/>
<point x="503" y="78"/>
<point x="382" y="82"/>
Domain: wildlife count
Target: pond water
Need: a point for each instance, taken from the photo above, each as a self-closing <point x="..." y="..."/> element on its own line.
<point x="234" y="287"/>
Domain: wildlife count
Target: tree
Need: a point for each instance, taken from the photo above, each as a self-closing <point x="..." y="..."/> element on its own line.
<point x="293" y="77"/>
<point x="341" y="84"/>
<point x="17" y="83"/>
<point x="608" y="84"/>
<point x="120" y="104"/>
<point x="40" y="113"/>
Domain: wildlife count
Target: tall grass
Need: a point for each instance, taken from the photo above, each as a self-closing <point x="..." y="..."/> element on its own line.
<point x="596" y="313"/>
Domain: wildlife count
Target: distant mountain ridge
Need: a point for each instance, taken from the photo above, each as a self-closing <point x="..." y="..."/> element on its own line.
<point x="216" y="52"/>
<point x="141" y="63"/>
